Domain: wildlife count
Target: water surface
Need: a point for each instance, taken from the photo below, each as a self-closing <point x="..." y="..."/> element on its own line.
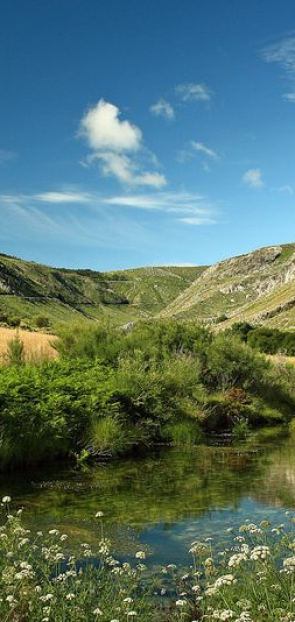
<point x="165" y="500"/>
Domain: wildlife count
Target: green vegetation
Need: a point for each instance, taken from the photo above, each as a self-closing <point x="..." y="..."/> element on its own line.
<point x="15" y="351"/>
<point x="113" y="391"/>
<point x="257" y="288"/>
<point x="37" y="296"/>
<point x="267" y="340"/>
<point x="250" y="578"/>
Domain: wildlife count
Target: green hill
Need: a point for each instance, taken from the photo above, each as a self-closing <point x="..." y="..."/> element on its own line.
<point x="29" y="290"/>
<point x="258" y="287"/>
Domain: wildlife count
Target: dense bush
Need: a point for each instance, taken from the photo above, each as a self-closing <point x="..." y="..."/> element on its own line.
<point x="46" y="410"/>
<point x="112" y="391"/>
<point x="267" y="340"/>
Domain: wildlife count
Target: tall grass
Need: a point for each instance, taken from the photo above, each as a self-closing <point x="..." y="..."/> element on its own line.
<point x="108" y="437"/>
<point x="15" y="351"/>
<point x="183" y="433"/>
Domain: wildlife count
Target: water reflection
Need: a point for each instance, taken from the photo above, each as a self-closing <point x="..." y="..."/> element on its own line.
<point x="166" y="499"/>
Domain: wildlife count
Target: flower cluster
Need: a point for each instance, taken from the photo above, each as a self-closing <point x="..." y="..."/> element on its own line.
<point x="251" y="579"/>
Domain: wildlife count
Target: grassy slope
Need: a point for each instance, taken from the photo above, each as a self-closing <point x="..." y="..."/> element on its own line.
<point x="258" y="287"/>
<point x="28" y="289"/>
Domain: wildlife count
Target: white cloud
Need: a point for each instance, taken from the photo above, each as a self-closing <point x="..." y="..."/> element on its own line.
<point x="103" y="129"/>
<point x="126" y="170"/>
<point x="162" y="108"/>
<point x="283" y="53"/>
<point x="156" y="180"/>
<point x="114" y="144"/>
<point x="253" y="178"/>
<point x="193" y="92"/>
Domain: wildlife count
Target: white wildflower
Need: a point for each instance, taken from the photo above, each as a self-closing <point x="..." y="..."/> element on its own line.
<point x="140" y="555"/>
<point x="226" y="579"/>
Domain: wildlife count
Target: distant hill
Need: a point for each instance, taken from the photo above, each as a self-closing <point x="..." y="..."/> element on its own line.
<point x="258" y="287"/>
<point x="29" y="290"/>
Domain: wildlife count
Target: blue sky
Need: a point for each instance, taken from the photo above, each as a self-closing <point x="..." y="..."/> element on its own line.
<point x="146" y="132"/>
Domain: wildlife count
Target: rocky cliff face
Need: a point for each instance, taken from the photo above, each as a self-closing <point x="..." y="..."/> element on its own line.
<point x="231" y="287"/>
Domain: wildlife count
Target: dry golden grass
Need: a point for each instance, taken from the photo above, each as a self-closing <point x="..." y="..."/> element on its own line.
<point x="281" y="358"/>
<point x="37" y="346"/>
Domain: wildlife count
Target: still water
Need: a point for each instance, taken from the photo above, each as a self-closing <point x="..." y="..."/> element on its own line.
<point x="164" y="501"/>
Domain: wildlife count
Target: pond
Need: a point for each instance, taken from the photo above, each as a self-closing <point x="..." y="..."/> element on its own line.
<point x="165" y="500"/>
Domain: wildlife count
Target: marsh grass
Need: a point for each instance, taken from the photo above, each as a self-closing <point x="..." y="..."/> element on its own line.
<point x="184" y="433"/>
<point x="250" y="578"/>
<point x="108" y="437"/>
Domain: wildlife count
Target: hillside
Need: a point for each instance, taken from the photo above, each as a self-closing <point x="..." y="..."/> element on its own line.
<point x="258" y="287"/>
<point x="29" y="290"/>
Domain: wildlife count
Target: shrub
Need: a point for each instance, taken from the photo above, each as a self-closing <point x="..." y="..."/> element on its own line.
<point x="42" y="321"/>
<point x="15" y="351"/>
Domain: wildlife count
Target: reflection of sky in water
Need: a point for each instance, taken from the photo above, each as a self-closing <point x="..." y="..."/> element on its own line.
<point x="171" y="543"/>
<point x="164" y="501"/>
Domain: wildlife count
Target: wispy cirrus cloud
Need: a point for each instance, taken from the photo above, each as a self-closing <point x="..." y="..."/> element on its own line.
<point x="163" y="108"/>
<point x="117" y="146"/>
<point x="193" y="92"/>
<point x="253" y="178"/>
<point x="193" y="148"/>
<point x="193" y="220"/>
<point x="46" y="209"/>
<point x="286" y="189"/>
<point x="60" y="197"/>
<point x="189" y="208"/>
<point x="82" y="221"/>
<point x="283" y="54"/>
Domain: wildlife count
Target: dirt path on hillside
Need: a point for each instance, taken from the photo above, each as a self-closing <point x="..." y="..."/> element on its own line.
<point x="37" y="345"/>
